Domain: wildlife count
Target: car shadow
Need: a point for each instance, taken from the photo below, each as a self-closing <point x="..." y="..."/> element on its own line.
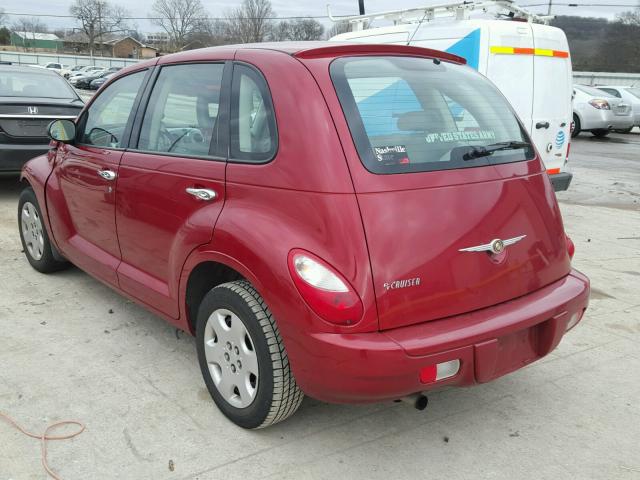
<point x="10" y="186"/>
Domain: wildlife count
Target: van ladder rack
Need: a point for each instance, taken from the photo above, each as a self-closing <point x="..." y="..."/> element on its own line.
<point x="459" y="10"/>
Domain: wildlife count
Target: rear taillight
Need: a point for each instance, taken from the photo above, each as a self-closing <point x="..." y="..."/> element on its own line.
<point x="600" y="104"/>
<point x="324" y="289"/>
<point x="571" y="248"/>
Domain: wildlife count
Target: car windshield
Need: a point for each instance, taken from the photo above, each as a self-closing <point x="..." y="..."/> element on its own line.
<point x="409" y="114"/>
<point x="635" y="92"/>
<point x="34" y="84"/>
<point x="594" y="92"/>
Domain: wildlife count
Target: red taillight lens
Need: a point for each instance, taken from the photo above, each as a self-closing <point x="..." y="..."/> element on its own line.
<point x="571" y="248"/>
<point x="600" y="104"/>
<point x="568" y="149"/>
<point x="324" y="289"/>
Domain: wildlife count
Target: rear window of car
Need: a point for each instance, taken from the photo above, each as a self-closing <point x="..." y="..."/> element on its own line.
<point x="634" y="91"/>
<point x="34" y="84"/>
<point x="594" y="92"/>
<point x="410" y="114"/>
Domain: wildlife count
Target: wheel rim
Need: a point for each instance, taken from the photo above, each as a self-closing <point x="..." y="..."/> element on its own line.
<point x="32" y="231"/>
<point x="231" y="357"/>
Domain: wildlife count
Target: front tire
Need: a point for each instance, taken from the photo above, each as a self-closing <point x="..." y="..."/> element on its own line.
<point x="36" y="244"/>
<point x="243" y="359"/>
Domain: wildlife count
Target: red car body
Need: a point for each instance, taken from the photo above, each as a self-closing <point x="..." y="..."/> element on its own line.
<point x="164" y="249"/>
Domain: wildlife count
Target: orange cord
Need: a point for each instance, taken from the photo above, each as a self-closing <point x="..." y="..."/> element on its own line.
<point x="44" y="438"/>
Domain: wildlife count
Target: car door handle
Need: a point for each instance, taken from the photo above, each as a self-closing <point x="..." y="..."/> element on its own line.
<point x="202" y="193"/>
<point x="542" y="125"/>
<point x="107" y="174"/>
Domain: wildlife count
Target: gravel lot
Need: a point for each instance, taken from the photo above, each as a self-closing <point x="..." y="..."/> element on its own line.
<point x="72" y="348"/>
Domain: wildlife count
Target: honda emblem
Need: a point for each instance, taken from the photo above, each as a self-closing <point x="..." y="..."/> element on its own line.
<point x="32" y="110"/>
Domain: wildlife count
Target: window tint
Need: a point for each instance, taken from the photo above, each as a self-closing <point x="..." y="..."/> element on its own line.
<point x="253" y="125"/>
<point x="411" y="114"/>
<point x="107" y="117"/>
<point x="182" y="114"/>
<point x="22" y="83"/>
<point x="611" y="91"/>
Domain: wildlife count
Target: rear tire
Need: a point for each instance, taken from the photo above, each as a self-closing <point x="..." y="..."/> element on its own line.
<point x="243" y="359"/>
<point x="576" y="126"/>
<point x="600" y="133"/>
<point x="624" y="130"/>
<point x="36" y="244"/>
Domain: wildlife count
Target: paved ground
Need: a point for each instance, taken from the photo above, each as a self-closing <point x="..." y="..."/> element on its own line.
<point x="71" y="348"/>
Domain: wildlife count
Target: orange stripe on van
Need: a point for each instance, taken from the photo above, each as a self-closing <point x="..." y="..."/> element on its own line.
<point x="542" y="52"/>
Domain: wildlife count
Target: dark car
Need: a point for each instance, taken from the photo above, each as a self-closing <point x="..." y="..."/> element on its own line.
<point x="84" y="81"/>
<point x="30" y="98"/>
<point x="98" y="82"/>
<point x="316" y="216"/>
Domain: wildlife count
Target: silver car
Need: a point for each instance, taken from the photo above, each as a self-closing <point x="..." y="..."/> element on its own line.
<point x="599" y="112"/>
<point x="629" y="95"/>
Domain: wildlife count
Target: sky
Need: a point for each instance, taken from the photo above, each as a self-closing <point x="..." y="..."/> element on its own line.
<point x="285" y="8"/>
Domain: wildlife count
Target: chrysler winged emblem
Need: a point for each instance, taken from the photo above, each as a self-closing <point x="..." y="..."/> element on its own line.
<point x="495" y="246"/>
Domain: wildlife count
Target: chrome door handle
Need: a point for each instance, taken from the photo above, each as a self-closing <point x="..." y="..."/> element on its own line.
<point x="107" y="174"/>
<point x="202" y="193"/>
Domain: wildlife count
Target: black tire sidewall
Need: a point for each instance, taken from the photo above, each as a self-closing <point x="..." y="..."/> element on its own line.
<point x="600" y="133"/>
<point x="254" y="415"/>
<point x="47" y="263"/>
<point x="576" y="127"/>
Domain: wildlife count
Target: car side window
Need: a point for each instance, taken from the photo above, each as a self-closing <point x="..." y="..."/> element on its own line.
<point x="182" y="112"/>
<point x="253" y="132"/>
<point x="104" y="123"/>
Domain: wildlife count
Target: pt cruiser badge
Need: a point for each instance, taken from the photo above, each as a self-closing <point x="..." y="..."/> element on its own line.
<point x="494" y="246"/>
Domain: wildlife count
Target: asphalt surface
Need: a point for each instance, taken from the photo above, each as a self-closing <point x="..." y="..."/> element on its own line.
<point x="72" y="348"/>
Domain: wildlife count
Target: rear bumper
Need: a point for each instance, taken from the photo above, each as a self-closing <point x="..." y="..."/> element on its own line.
<point x="14" y="156"/>
<point x="561" y="181"/>
<point x="356" y="368"/>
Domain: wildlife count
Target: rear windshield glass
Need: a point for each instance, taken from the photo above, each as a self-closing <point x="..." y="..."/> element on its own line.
<point x="409" y="114"/>
<point x="34" y="84"/>
<point x="594" y="92"/>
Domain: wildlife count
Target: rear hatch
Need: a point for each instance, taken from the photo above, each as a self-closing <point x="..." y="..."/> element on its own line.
<point x="28" y="118"/>
<point x="449" y="170"/>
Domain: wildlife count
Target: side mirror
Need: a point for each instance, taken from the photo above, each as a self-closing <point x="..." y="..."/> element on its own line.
<point x="63" y="131"/>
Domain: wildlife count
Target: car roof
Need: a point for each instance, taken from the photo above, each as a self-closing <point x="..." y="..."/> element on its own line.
<point x="28" y="69"/>
<point x="314" y="49"/>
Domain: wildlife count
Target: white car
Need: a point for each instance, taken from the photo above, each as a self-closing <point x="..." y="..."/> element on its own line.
<point x="84" y="71"/>
<point x="599" y="112"/>
<point x="630" y="95"/>
<point x="59" y="68"/>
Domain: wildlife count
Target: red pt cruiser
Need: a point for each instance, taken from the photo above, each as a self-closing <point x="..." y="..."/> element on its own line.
<point x="356" y="223"/>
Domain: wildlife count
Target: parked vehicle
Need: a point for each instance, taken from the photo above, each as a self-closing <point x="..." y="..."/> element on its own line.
<point x="83" y="81"/>
<point x="356" y="252"/>
<point x="528" y="62"/>
<point x="598" y="112"/>
<point x="630" y="95"/>
<point x="74" y="70"/>
<point x="30" y="98"/>
<point x="59" y="68"/>
<point x="98" y="82"/>
<point x="85" y="71"/>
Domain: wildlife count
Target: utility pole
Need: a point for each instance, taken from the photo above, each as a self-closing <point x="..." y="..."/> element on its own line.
<point x="361" y="6"/>
<point x="549" y="8"/>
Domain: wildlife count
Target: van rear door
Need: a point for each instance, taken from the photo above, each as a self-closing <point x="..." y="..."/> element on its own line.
<point x="442" y="170"/>
<point x="552" y="111"/>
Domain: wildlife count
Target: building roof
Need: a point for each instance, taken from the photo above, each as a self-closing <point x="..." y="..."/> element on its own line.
<point x="113" y="41"/>
<point x="38" y="36"/>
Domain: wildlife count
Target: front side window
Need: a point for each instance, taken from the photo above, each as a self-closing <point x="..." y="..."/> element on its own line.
<point x="253" y="125"/>
<point x="409" y="114"/>
<point x="104" y="123"/>
<point x="182" y="113"/>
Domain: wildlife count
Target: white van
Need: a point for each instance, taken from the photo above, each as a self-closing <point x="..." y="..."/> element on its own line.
<point x="528" y="62"/>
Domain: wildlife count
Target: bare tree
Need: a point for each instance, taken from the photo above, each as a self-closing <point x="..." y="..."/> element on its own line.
<point x="338" y="28"/>
<point x="3" y="16"/>
<point x="299" y="29"/>
<point x="28" y="27"/>
<point x="98" y="18"/>
<point x="251" y="22"/>
<point x="631" y="17"/>
<point x="180" y="19"/>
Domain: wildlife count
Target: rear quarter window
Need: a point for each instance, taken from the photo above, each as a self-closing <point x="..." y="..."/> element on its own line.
<point x="409" y="114"/>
